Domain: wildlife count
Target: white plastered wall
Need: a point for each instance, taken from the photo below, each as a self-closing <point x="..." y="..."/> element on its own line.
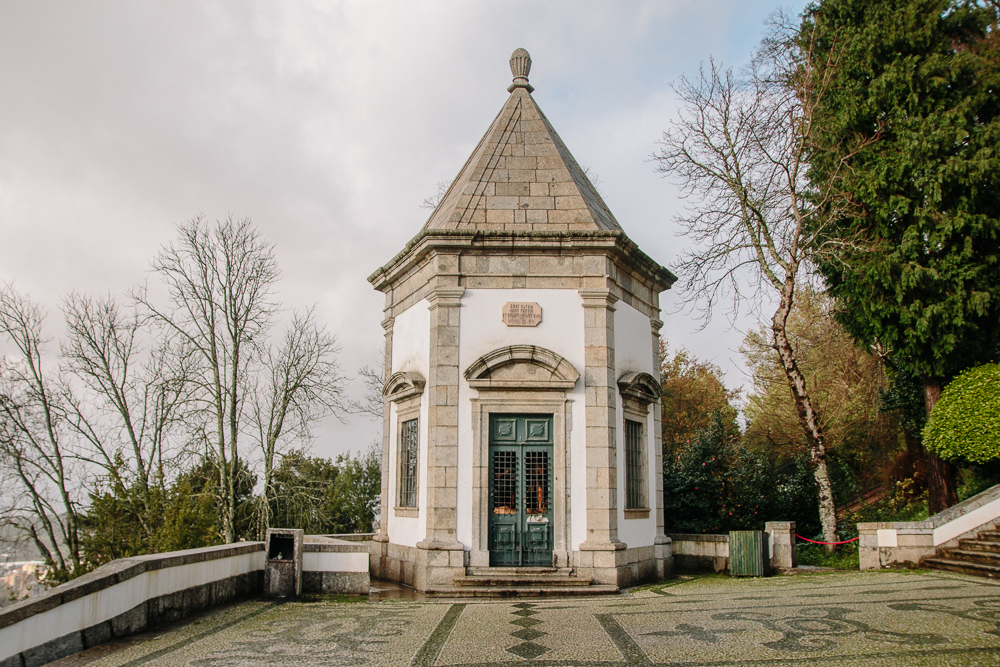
<point x="634" y="354"/>
<point x="411" y="334"/>
<point x="561" y="330"/>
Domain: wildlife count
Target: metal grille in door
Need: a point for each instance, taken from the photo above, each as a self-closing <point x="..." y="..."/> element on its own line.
<point x="504" y="482"/>
<point x="536" y="482"/>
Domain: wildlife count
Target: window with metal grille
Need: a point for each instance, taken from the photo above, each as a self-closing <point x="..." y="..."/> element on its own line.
<point x="536" y="482"/>
<point x="634" y="468"/>
<point x="504" y="482"/>
<point x="408" y="464"/>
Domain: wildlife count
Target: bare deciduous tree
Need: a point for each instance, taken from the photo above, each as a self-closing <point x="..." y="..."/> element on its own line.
<point x="439" y="192"/>
<point x="371" y="404"/>
<point x="299" y="384"/>
<point x="132" y="400"/>
<point x="40" y="488"/>
<point x="739" y="151"/>
<point x="220" y="284"/>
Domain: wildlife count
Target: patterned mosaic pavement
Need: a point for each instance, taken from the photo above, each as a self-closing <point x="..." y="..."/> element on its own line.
<point x="877" y="618"/>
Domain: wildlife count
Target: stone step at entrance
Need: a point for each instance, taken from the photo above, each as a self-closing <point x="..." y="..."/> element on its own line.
<point x="962" y="566"/>
<point x="508" y="572"/>
<point x="972" y="556"/>
<point x="979" y="557"/>
<point x="980" y="545"/>
<point x="521" y="581"/>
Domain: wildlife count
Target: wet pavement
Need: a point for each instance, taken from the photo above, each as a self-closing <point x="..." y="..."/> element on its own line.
<point x="871" y="618"/>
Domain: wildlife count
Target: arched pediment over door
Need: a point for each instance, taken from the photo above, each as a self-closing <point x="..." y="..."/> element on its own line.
<point x="526" y="367"/>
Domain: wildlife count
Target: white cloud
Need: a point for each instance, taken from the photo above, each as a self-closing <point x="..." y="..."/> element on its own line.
<point x="327" y="123"/>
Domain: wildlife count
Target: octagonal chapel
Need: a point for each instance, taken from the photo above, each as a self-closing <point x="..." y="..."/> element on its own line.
<point x="521" y="416"/>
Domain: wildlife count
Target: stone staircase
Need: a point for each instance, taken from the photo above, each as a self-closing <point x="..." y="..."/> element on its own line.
<point x="521" y="582"/>
<point x="979" y="557"/>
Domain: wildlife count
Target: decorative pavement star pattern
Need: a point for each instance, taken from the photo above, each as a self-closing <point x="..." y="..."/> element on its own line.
<point x="871" y="618"/>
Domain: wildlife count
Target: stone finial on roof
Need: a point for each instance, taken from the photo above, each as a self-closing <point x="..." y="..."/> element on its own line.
<point x="520" y="65"/>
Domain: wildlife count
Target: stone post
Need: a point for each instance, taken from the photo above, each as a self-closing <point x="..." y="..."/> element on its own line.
<point x="601" y="443"/>
<point x="440" y="556"/>
<point x="781" y="539"/>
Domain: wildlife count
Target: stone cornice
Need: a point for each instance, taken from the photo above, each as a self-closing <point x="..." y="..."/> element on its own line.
<point x="446" y="296"/>
<point x="598" y="299"/>
<point x="615" y="244"/>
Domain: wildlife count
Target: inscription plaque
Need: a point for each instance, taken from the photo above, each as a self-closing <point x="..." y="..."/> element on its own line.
<point x="522" y="314"/>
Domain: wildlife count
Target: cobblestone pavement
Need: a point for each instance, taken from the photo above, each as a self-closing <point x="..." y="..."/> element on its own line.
<point x="877" y="618"/>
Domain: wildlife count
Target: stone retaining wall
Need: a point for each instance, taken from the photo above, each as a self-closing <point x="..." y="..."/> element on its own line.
<point x="335" y="565"/>
<point x="904" y="543"/>
<point x="700" y="553"/>
<point x="125" y="597"/>
<point x="710" y="553"/>
<point x="133" y="595"/>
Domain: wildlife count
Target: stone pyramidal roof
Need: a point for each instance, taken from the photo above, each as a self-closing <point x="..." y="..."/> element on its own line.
<point x="521" y="177"/>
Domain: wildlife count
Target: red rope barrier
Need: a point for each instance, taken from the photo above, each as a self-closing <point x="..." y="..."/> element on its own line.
<point x="830" y="543"/>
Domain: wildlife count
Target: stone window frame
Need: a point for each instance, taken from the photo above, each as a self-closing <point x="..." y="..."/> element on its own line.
<point x="521" y="403"/>
<point x="402" y="419"/>
<point x="638" y="392"/>
<point x="637" y="473"/>
<point x="405" y="389"/>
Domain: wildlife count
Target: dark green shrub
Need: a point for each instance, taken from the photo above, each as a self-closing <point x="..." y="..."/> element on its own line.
<point x="717" y="484"/>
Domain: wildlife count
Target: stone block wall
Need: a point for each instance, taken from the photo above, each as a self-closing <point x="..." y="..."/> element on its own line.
<point x="331" y="565"/>
<point x="393" y="562"/>
<point x="700" y="553"/>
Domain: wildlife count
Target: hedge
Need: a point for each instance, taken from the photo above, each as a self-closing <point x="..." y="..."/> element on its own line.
<point x="965" y="423"/>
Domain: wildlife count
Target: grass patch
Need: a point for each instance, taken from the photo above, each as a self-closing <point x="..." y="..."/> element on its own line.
<point x="844" y="557"/>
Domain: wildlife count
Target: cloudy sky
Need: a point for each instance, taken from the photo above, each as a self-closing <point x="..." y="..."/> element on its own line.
<point x="327" y="123"/>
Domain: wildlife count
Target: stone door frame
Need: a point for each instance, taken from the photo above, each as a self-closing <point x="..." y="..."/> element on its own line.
<point x="505" y="401"/>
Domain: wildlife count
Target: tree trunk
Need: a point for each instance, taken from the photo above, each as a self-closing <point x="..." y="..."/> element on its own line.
<point x="806" y="414"/>
<point x="940" y="474"/>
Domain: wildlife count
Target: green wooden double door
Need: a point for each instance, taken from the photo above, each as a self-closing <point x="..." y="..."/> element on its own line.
<point x="520" y="519"/>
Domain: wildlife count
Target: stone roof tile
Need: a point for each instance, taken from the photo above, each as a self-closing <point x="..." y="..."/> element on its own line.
<point x="522" y="166"/>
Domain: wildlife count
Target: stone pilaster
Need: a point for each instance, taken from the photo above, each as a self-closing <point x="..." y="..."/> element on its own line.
<point x="601" y="443"/>
<point x="663" y="547"/>
<point x="657" y="412"/>
<point x="387" y="439"/>
<point x="440" y="554"/>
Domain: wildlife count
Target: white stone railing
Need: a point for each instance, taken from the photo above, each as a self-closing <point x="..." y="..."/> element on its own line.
<point x="125" y="597"/>
<point x="884" y="544"/>
<point x="131" y="595"/>
<point x="336" y="564"/>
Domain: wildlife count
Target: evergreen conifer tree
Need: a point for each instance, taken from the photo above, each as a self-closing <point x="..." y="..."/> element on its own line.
<point x="908" y="132"/>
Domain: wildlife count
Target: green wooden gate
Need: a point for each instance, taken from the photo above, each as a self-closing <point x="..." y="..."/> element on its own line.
<point x="748" y="554"/>
<point x="520" y="524"/>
